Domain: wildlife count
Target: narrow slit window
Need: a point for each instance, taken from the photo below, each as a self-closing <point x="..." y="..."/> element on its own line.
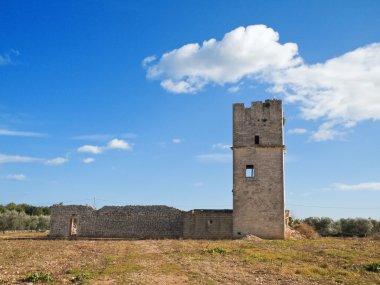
<point x="257" y="140"/>
<point x="249" y="171"/>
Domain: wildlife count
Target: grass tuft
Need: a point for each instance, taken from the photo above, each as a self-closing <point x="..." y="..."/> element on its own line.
<point x="373" y="267"/>
<point x="217" y="250"/>
<point x="39" y="277"/>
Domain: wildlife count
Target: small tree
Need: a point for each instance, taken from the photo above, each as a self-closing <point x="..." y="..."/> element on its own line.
<point x="43" y="223"/>
<point x="356" y="227"/>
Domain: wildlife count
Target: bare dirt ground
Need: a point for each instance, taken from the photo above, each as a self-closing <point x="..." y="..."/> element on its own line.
<point x="318" y="261"/>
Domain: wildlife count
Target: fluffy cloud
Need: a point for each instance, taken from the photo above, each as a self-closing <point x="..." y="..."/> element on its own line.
<point x="367" y="186"/>
<point x="90" y="149"/>
<point x="4" y="132"/>
<point x="214" y="157"/>
<point x="243" y="52"/>
<point x="4" y="158"/>
<point x="56" y="161"/>
<point x="18" y="177"/>
<point x="339" y="93"/>
<point x="177" y="141"/>
<point x="119" y="144"/>
<point x="88" y="160"/>
<point x="112" y="144"/>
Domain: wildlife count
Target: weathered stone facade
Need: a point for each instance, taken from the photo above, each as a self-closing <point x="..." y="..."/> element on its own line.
<point x="258" y="170"/>
<point x="210" y="224"/>
<point x="117" y="222"/>
<point x="139" y="222"/>
<point x="258" y="193"/>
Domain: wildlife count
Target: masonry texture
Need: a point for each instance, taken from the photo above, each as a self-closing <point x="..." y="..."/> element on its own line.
<point x="258" y="194"/>
<point x="211" y="224"/>
<point x="258" y="170"/>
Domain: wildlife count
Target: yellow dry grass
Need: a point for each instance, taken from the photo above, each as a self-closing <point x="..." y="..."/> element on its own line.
<point x="318" y="261"/>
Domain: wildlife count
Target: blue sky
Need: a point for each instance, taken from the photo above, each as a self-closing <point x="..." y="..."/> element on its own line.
<point x="130" y="102"/>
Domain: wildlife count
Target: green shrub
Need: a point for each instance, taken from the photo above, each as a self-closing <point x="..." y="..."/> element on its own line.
<point x="217" y="250"/>
<point x="373" y="267"/>
<point x="81" y="277"/>
<point x="344" y="227"/>
<point x="324" y="226"/>
<point x="39" y="277"/>
<point x="14" y="220"/>
<point x="356" y="227"/>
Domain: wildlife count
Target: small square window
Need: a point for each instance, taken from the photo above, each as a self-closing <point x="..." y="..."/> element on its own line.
<point x="257" y="140"/>
<point x="249" y="171"/>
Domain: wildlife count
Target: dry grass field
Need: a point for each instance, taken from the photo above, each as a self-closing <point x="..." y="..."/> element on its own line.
<point x="317" y="261"/>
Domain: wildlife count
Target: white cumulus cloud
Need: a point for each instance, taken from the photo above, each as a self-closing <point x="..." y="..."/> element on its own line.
<point x="56" y="161"/>
<point x="112" y="144"/>
<point x="342" y="91"/>
<point x="90" y="149"/>
<point x="119" y="144"/>
<point x="177" y="141"/>
<point x="338" y="93"/>
<point x="243" y="52"/>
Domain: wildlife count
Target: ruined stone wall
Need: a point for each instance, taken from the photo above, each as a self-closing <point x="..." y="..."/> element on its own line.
<point x="118" y="222"/>
<point x="139" y="222"/>
<point x="258" y="201"/>
<point x="61" y="216"/>
<point x="208" y="224"/>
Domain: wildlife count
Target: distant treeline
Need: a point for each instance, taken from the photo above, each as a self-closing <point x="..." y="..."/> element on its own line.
<point x="350" y="227"/>
<point x="24" y="217"/>
<point x="27" y="209"/>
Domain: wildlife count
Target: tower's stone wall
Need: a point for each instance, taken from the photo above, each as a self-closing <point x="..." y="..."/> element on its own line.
<point x="258" y="198"/>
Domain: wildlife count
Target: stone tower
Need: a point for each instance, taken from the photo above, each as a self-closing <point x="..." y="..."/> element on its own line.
<point x="258" y="170"/>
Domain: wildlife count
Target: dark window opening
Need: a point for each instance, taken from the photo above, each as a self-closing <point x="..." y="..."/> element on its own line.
<point x="239" y="233"/>
<point x="210" y="222"/>
<point x="257" y="140"/>
<point x="249" y="171"/>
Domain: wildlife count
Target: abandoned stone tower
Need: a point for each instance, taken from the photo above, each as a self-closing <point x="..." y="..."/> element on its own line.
<point x="258" y="170"/>
<point x="258" y="193"/>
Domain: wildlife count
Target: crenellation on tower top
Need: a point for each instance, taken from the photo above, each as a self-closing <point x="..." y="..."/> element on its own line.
<point x="263" y="119"/>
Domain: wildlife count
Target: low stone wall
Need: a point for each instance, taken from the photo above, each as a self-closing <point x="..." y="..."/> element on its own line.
<point x="117" y="222"/>
<point x="61" y="216"/>
<point x="139" y="222"/>
<point x="208" y="224"/>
